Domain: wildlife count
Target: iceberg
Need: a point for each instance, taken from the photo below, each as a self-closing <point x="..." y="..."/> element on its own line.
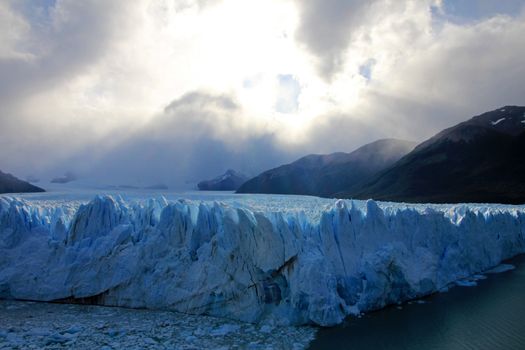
<point x="282" y="267"/>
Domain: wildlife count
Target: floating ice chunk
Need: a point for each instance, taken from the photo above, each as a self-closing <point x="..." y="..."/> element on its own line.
<point x="73" y="329"/>
<point x="15" y="340"/>
<point x="56" y="338"/>
<point x="266" y="329"/>
<point x="225" y="329"/>
<point x="466" y="283"/>
<point x="40" y="332"/>
<point x="501" y="268"/>
<point x="479" y="277"/>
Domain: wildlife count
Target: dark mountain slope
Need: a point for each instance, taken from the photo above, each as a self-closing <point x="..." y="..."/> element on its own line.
<point x="229" y="181"/>
<point x="10" y="184"/>
<point x="324" y="175"/>
<point x="480" y="160"/>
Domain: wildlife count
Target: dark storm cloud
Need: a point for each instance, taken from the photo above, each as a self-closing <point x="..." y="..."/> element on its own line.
<point x="196" y="99"/>
<point x="72" y="37"/>
<point x="327" y="26"/>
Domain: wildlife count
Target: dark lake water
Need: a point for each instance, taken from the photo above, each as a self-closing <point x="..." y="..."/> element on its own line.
<point x="489" y="316"/>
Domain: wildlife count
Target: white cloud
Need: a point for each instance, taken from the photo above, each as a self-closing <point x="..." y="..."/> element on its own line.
<point x="427" y="76"/>
<point x="13" y="31"/>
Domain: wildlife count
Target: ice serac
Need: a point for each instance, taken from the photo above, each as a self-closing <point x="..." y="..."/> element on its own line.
<point x="228" y="261"/>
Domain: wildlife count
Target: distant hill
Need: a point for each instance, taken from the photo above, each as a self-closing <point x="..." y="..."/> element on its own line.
<point x="10" y="184"/>
<point x="480" y="160"/>
<point x="229" y="181"/>
<point x="325" y="175"/>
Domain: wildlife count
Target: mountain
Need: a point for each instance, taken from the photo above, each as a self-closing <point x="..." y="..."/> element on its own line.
<point x="229" y="181"/>
<point x="480" y="160"/>
<point x="324" y="175"/>
<point x="10" y="184"/>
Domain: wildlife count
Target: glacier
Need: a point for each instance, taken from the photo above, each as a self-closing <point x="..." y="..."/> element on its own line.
<point x="232" y="260"/>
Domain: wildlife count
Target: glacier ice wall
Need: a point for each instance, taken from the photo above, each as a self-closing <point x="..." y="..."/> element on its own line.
<point x="226" y="261"/>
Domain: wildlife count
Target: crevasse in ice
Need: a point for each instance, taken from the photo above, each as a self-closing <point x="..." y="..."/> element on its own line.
<point x="230" y="261"/>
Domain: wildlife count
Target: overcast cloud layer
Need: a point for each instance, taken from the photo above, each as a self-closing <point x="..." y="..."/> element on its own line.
<point x="163" y="91"/>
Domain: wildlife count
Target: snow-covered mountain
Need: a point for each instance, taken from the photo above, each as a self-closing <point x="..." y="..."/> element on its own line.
<point x="278" y="265"/>
<point x="229" y="181"/>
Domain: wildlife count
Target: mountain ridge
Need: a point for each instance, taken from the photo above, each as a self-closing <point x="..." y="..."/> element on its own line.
<point x="229" y="181"/>
<point x="11" y="184"/>
<point x="478" y="160"/>
<point x="325" y="174"/>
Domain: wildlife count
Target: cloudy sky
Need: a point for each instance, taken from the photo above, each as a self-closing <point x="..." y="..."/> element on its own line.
<point x="174" y="91"/>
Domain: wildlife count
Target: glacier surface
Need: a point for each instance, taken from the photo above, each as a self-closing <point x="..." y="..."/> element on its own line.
<point x="245" y="260"/>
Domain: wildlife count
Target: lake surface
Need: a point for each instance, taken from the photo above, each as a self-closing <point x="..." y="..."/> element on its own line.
<point x="488" y="316"/>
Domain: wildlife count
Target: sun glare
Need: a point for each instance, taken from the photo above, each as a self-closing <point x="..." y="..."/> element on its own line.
<point x="248" y="49"/>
